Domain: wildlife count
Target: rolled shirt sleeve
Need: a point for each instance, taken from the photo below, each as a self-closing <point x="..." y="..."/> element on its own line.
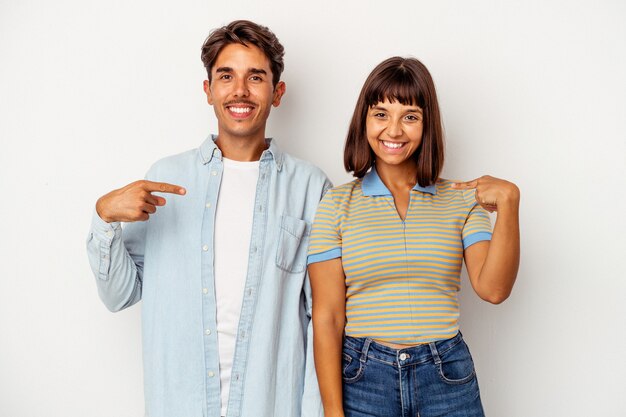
<point x="325" y="242"/>
<point x="477" y="225"/>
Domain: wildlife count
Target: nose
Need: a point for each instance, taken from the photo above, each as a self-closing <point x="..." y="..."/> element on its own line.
<point x="241" y="88"/>
<point x="394" y="129"/>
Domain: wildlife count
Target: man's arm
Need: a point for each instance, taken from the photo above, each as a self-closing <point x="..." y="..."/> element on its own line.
<point x="116" y="261"/>
<point x="311" y="399"/>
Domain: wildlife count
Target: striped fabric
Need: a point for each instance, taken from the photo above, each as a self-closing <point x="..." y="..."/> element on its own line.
<point x="402" y="277"/>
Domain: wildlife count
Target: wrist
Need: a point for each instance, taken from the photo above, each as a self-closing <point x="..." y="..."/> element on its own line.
<point x="509" y="196"/>
<point x="100" y="210"/>
<point x="335" y="409"/>
<point x="510" y="209"/>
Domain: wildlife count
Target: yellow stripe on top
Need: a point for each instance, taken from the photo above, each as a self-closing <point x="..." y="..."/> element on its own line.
<point x="402" y="277"/>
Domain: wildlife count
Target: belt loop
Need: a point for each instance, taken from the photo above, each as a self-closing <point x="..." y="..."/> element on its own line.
<point x="435" y="353"/>
<point x="366" y="347"/>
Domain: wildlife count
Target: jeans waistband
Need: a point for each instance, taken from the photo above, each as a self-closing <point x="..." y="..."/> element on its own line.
<point x="403" y="357"/>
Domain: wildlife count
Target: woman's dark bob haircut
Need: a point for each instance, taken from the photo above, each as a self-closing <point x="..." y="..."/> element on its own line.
<point x="404" y="80"/>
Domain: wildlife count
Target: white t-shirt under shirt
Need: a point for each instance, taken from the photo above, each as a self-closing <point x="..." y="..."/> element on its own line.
<point x="233" y="228"/>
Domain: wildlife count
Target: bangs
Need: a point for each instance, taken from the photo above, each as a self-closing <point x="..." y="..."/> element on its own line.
<point x="396" y="84"/>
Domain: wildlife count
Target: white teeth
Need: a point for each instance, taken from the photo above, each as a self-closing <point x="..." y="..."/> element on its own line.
<point x="240" y="110"/>
<point x="393" y="145"/>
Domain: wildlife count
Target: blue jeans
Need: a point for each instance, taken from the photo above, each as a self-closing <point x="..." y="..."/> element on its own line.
<point x="433" y="379"/>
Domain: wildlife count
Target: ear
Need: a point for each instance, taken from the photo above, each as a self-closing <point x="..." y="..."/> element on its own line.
<point x="207" y="90"/>
<point x="279" y="90"/>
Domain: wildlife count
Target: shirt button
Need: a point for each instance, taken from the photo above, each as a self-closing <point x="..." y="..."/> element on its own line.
<point x="205" y="291"/>
<point x="211" y="374"/>
<point x="207" y="332"/>
<point x="260" y="208"/>
<point x="205" y="248"/>
<point x="254" y="249"/>
<point x="208" y="205"/>
<point x="110" y="233"/>
<point x="214" y="173"/>
<point x="403" y="356"/>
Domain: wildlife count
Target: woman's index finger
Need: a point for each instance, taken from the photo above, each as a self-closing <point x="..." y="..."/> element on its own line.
<point x="467" y="185"/>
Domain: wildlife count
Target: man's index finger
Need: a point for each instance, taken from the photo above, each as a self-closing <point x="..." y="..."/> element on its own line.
<point x="163" y="187"/>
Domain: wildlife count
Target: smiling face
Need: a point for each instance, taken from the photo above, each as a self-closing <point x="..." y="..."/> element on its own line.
<point x="394" y="132"/>
<point x="241" y="92"/>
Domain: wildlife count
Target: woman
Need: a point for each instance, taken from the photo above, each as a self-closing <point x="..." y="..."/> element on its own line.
<point x="385" y="258"/>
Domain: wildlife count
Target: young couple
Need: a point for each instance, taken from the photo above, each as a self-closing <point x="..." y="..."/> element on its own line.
<point x="221" y="263"/>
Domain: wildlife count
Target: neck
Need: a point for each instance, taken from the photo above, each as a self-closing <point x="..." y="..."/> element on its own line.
<point x="241" y="148"/>
<point x="398" y="177"/>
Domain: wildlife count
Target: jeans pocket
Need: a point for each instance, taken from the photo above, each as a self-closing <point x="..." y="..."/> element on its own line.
<point x="457" y="366"/>
<point x="352" y="366"/>
<point x="292" y="244"/>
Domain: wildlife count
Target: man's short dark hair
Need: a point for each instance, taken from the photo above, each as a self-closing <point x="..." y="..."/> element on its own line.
<point x="245" y="33"/>
<point x="404" y="80"/>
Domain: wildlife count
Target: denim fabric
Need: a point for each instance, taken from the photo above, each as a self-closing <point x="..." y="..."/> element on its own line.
<point x="429" y="380"/>
<point x="167" y="262"/>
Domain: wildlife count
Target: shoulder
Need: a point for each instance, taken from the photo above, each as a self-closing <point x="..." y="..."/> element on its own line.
<point x="301" y="175"/>
<point x="174" y="163"/>
<point x="344" y="193"/>
<point x="445" y="186"/>
<point x="446" y="192"/>
<point x="349" y="187"/>
<point x="301" y="168"/>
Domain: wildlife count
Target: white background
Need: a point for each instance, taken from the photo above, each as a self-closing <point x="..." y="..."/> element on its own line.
<point x="92" y="93"/>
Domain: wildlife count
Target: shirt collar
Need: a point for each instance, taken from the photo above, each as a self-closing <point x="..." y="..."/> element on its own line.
<point x="209" y="149"/>
<point x="372" y="185"/>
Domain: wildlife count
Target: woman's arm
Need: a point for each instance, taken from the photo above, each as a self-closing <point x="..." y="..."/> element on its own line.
<point x="329" y="315"/>
<point x="492" y="266"/>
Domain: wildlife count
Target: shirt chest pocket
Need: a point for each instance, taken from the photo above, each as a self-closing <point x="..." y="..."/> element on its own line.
<point x="293" y="239"/>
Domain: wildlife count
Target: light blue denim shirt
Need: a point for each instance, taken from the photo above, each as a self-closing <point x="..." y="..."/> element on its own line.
<point x="167" y="262"/>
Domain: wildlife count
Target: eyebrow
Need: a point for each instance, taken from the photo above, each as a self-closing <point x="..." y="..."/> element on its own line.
<point x="251" y="70"/>
<point x="411" y="110"/>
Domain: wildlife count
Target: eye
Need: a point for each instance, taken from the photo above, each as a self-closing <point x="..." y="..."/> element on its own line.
<point x="256" y="78"/>
<point x="225" y="77"/>
<point x="412" y="117"/>
<point x="379" y="115"/>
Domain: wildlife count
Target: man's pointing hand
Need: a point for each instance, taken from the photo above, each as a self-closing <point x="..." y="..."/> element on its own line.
<point x="134" y="202"/>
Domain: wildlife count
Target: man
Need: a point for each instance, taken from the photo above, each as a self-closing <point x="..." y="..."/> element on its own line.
<point x="220" y="266"/>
